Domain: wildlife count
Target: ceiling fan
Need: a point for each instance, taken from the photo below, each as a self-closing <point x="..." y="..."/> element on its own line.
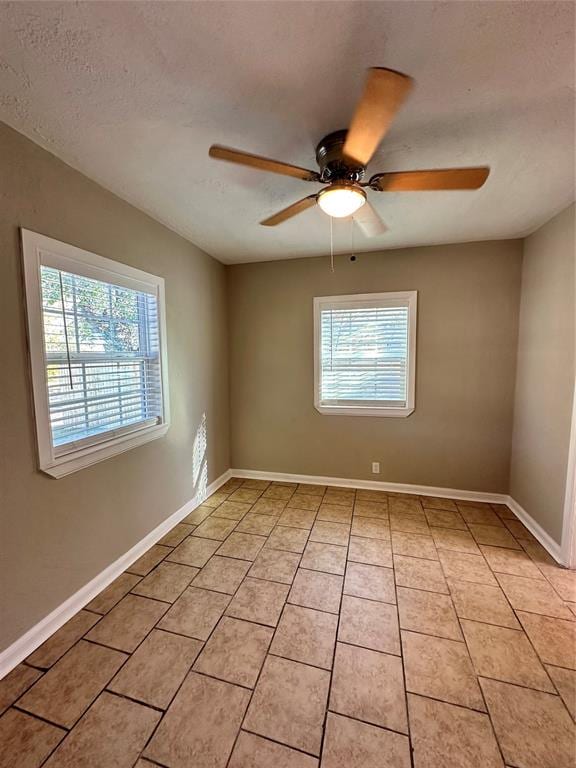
<point x="342" y="158"/>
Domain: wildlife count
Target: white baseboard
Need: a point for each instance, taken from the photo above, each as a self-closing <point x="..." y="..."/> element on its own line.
<point x="374" y="485"/>
<point x="551" y="546"/>
<point x="40" y="632"/>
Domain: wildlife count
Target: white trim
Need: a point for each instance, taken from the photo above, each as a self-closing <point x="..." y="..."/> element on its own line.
<point x="568" y="545"/>
<point x="375" y="485"/>
<point x="407" y="299"/>
<point x="40" y="632"/>
<point x="36" y="250"/>
<point x="551" y="546"/>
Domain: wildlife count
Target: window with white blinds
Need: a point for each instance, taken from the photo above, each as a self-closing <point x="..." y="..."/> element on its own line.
<point x="365" y="354"/>
<point x="97" y="351"/>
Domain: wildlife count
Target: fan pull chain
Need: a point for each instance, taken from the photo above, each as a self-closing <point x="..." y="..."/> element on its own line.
<point x="331" y="246"/>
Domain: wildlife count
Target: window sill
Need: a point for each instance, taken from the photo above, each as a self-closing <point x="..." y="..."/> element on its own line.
<point x="66" y="465"/>
<point x="358" y="410"/>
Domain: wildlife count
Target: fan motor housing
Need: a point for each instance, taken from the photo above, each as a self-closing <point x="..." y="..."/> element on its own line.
<point x="333" y="164"/>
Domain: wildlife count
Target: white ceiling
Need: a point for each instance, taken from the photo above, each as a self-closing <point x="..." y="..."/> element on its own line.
<point x="133" y="94"/>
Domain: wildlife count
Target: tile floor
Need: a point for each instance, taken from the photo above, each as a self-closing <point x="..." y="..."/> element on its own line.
<point x="301" y="626"/>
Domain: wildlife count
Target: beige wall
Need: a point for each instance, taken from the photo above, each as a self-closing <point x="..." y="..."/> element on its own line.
<point x="545" y="377"/>
<point x="58" y="534"/>
<point x="459" y="435"/>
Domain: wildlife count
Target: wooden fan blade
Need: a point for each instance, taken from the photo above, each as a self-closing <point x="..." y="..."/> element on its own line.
<point x="384" y="93"/>
<point x="292" y="210"/>
<point x="369" y="221"/>
<point x="413" y="181"/>
<point x="261" y="163"/>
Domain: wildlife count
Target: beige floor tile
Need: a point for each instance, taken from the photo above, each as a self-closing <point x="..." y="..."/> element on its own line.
<point x="358" y="690"/>
<point x="565" y="682"/>
<point x="447" y="736"/>
<point x="259" y="524"/>
<point x="15" y="683"/>
<point x="64" y="693"/>
<point x="463" y="567"/>
<point x="436" y="502"/>
<point x="311" y="490"/>
<point x="258" y="600"/>
<point x="198" y="515"/>
<point x="278" y="493"/>
<point x="194" y="551"/>
<point x="440" y="669"/>
<point x="504" y="654"/>
<point x="62" y="640"/>
<point x="195" y="613"/>
<point x="217" y="528"/>
<point x="371" y="528"/>
<point x="481" y="602"/>
<point x="413" y="545"/>
<point x="111" y="733"/>
<point x="404" y="505"/>
<point x="155" y="670"/>
<point x="289" y="539"/>
<point x="288" y="704"/>
<point x="149" y="560"/>
<point x="351" y="744"/>
<point x="297" y="518"/>
<point x="370" y="551"/>
<point x="377" y="509"/>
<point x="340" y="498"/>
<point x="369" y="624"/>
<point x="334" y="513"/>
<point x="518" y="530"/>
<point x="176" y="535"/>
<point x="313" y="589"/>
<point x="409" y="524"/>
<point x="533" y="595"/>
<point x="563" y="581"/>
<point x="232" y="510"/>
<point x="113" y="593"/>
<point x="428" y="612"/>
<point x="363" y="494"/>
<point x="553" y="639"/>
<point x="441" y="518"/>
<point x="329" y="558"/>
<point x="253" y="751"/>
<point x="25" y="742"/>
<point x="304" y="502"/>
<point x="222" y="574"/>
<point x="533" y="728"/>
<point x="216" y="499"/>
<point x="306" y="635"/>
<point x="128" y="623"/>
<point x="494" y="536"/>
<point x="275" y="565"/>
<point x="244" y="546"/>
<point x="456" y="541"/>
<point x="419" y="573"/>
<point x="258" y="485"/>
<point x="510" y="561"/>
<point x="166" y="582"/>
<point x="474" y="516"/>
<point x="503" y="511"/>
<point x="235" y="651"/>
<point x="204" y="740"/>
<point x="370" y="581"/>
<point x="247" y="495"/>
<point x="330" y="533"/>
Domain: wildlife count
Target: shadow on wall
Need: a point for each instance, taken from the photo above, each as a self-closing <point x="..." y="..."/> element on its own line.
<point x="200" y="460"/>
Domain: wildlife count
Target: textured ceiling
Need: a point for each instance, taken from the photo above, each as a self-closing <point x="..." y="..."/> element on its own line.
<point x="133" y="93"/>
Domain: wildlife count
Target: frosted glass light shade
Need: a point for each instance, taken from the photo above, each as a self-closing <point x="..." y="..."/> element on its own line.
<point x="341" y="200"/>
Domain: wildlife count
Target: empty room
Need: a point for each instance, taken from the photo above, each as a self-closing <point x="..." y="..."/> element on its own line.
<point x="287" y="412"/>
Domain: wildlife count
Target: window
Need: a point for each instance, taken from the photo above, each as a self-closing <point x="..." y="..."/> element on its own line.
<point x="365" y="354"/>
<point x="97" y="351"/>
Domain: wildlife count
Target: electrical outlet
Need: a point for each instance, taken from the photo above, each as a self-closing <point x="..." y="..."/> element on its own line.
<point x="375" y="467"/>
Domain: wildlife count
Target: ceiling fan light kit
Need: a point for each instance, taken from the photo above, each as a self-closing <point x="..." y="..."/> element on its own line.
<point x="342" y="157"/>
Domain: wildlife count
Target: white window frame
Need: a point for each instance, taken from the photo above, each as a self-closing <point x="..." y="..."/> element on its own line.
<point x="40" y="250"/>
<point x="397" y="298"/>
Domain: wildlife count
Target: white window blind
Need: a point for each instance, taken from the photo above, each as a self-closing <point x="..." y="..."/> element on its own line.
<point x="102" y="358"/>
<point x="364" y="353"/>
